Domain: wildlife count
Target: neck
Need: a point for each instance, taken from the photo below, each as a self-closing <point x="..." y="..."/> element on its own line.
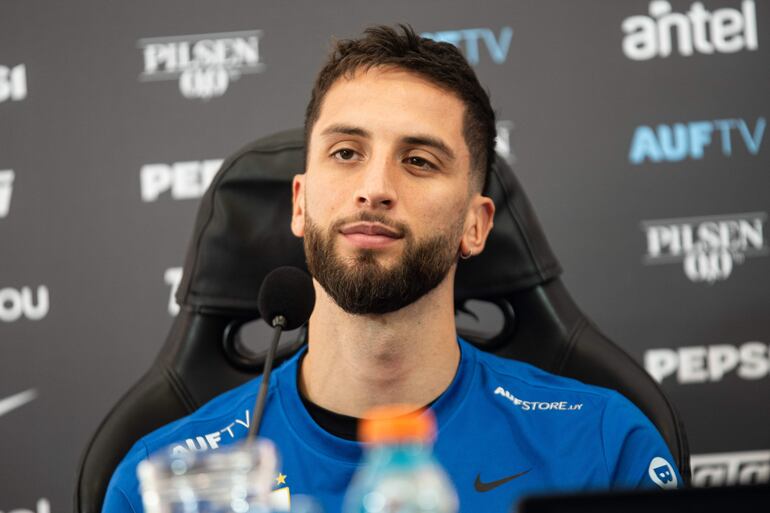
<point x="356" y="362"/>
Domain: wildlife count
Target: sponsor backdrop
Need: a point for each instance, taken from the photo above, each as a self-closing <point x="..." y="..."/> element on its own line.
<point x="638" y="129"/>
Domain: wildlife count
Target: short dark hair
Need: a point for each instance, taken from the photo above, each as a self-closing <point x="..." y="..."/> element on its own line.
<point x="439" y="62"/>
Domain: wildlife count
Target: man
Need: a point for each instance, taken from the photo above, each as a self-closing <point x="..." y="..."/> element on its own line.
<point x="399" y="138"/>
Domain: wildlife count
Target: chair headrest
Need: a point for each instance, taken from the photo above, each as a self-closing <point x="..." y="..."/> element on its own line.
<point x="242" y="232"/>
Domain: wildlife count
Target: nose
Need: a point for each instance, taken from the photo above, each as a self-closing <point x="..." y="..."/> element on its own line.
<point x="376" y="189"/>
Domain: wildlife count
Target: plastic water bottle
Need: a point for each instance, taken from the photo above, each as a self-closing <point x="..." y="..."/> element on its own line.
<point x="233" y="479"/>
<point x="399" y="473"/>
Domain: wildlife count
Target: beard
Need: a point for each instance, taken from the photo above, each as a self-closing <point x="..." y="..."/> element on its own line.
<point x="362" y="285"/>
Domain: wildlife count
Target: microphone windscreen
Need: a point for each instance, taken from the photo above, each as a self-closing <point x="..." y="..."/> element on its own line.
<point x="286" y="291"/>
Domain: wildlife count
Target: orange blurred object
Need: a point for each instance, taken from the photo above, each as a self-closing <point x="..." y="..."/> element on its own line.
<point x="397" y="423"/>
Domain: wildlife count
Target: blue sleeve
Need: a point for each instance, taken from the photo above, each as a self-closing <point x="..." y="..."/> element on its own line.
<point x="635" y="453"/>
<point x="123" y="491"/>
<point x="116" y="502"/>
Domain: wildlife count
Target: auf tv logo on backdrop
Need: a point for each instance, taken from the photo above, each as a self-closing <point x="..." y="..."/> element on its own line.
<point x="473" y="42"/>
<point x="690" y="140"/>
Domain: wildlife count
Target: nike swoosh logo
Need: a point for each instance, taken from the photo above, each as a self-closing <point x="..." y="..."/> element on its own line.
<point x="17" y="400"/>
<point x="485" y="487"/>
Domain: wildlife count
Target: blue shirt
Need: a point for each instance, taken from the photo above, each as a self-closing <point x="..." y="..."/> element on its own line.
<point x="498" y="418"/>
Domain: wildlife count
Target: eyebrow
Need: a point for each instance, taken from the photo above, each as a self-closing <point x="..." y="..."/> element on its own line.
<point x="417" y="139"/>
<point x="346" y="130"/>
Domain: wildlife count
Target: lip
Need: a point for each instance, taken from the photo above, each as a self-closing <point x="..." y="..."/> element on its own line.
<point x="369" y="235"/>
<point x="369" y="229"/>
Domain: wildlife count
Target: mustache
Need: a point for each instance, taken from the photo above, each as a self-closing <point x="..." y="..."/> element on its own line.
<point x="367" y="217"/>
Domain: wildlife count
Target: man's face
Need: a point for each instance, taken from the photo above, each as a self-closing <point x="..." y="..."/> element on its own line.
<point x="382" y="206"/>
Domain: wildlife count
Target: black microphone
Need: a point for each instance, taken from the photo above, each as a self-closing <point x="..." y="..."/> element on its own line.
<point x="286" y="299"/>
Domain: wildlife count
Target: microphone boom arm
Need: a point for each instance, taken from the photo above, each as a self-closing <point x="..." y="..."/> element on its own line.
<point x="279" y="323"/>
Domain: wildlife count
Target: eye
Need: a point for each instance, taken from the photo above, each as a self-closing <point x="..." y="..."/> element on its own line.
<point x="420" y="162"/>
<point x="344" y="154"/>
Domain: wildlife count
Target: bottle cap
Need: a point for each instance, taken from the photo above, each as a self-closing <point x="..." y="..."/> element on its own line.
<point x="397" y="423"/>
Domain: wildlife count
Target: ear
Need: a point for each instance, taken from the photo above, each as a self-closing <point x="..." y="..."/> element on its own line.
<point x="478" y="224"/>
<point x="298" y="205"/>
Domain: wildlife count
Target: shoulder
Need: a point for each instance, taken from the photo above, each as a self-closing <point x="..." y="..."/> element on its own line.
<point x="222" y="411"/>
<point x="592" y="417"/>
<point x="203" y="429"/>
<point x="510" y="375"/>
<point x="533" y="389"/>
<point x="222" y="420"/>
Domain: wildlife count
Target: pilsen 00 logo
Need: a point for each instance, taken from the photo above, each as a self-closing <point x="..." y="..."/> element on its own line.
<point x="709" y="246"/>
<point x="204" y="64"/>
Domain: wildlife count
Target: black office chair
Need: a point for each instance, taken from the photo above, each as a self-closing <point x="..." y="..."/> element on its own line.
<point x="242" y="233"/>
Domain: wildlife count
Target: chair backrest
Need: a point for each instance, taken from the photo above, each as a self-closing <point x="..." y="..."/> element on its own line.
<point x="242" y="233"/>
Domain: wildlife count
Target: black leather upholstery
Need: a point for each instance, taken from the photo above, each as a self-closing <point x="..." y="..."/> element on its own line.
<point x="242" y="232"/>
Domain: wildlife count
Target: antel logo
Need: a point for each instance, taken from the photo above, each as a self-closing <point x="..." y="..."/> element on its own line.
<point x="709" y="246"/>
<point x="172" y="277"/>
<point x="702" y="364"/>
<point x="6" y="189"/>
<point x="15" y="304"/>
<point x="182" y="180"/>
<point x="42" y="506"/>
<point x="730" y="468"/>
<point x="725" y="30"/>
<point x="674" y="143"/>
<point x="471" y="42"/>
<point x="13" y="83"/>
<point x="204" y="64"/>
